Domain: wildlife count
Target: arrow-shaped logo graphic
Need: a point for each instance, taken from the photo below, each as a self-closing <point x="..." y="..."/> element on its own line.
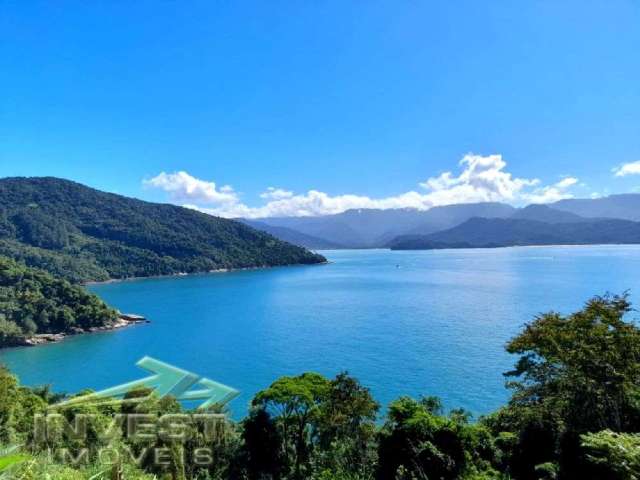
<point x="165" y="380"/>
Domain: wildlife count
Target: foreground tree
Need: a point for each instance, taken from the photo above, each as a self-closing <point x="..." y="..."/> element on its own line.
<point x="576" y="374"/>
<point x="322" y="427"/>
<point x="262" y="453"/>
<point x="294" y="401"/>
<point x="9" y="396"/>
<point x="616" y="456"/>
<point x="419" y="442"/>
<point x="346" y="427"/>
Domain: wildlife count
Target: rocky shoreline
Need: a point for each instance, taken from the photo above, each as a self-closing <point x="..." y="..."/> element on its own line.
<point x="124" y="320"/>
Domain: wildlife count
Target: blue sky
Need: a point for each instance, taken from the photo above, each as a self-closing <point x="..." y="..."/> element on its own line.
<point x="363" y="103"/>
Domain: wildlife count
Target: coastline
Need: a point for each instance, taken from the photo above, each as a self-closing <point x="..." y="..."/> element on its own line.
<point x="191" y="274"/>
<point x="495" y="247"/>
<point x="124" y="320"/>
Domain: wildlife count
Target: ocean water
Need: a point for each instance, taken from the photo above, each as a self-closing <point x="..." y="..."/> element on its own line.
<point x="404" y="323"/>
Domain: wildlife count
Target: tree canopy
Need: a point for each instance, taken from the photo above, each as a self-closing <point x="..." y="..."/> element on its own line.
<point x="576" y="374"/>
<point x="32" y="301"/>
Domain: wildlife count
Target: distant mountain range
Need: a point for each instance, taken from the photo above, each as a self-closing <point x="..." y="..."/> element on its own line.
<point x="546" y="214"/>
<point x="82" y="234"/>
<point x="505" y="232"/>
<point x="292" y="236"/>
<point x="572" y="221"/>
<point x="625" y="206"/>
<point x="371" y="228"/>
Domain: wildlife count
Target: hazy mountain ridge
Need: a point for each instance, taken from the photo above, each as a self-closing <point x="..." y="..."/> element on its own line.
<point x="371" y="228"/>
<point x="546" y="214"/>
<point x="374" y="228"/>
<point x="625" y="206"/>
<point x="506" y="232"/>
<point x="292" y="236"/>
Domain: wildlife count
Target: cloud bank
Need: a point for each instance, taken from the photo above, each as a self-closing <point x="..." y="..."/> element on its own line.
<point x="481" y="179"/>
<point x="632" y="168"/>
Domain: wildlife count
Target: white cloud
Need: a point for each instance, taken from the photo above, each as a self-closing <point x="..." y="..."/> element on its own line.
<point x="481" y="179"/>
<point x="314" y="203"/>
<point x="551" y="193"/>
<point x="276" y="194"/>
<point x="183" y="187"/>
<point x="567" y="182"/>
<point x="632" y="168"/>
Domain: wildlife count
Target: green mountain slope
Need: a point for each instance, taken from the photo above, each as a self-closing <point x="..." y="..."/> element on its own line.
<point x="33" y="301"/>
<point x="83" y="234"/>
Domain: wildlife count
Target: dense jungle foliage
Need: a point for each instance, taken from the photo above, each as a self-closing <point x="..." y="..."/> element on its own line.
<point x="82" y="234"/>
<point x="574" y="414"/>
<point x="33" y="301"/>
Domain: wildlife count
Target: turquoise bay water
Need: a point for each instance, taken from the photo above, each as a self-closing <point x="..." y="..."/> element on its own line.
<point x="432" y="322"/>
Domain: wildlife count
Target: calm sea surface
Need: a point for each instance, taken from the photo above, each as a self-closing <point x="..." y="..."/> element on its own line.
<point x="432" y="322"/>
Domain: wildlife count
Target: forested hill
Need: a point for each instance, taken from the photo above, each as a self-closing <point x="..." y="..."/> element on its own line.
<point x="33" y="301"/>
<point x="82" y="234"/>
<point x="505" y="232"/>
